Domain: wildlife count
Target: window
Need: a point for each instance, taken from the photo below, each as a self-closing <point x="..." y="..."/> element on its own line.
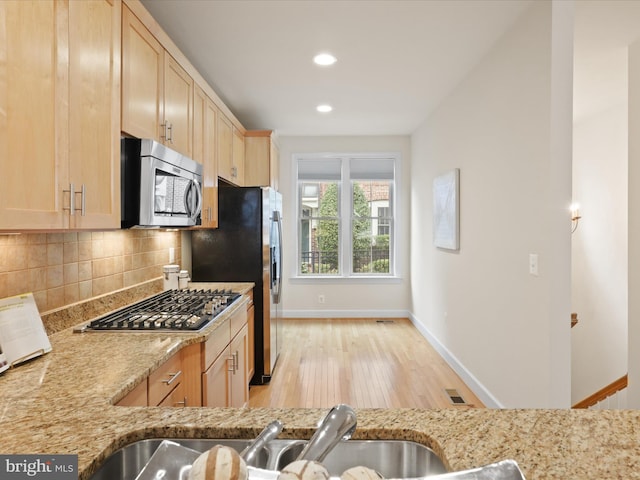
<point x="345" y="210"/>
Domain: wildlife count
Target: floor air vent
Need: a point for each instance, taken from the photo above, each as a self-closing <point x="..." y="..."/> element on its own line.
<point x="455" y="397"/>
<point x="384" y="321"/>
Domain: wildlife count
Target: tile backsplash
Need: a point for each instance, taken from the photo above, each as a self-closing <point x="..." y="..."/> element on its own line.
<point x="64" y="268"/>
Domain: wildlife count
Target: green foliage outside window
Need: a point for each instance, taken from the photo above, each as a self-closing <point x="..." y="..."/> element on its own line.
<point x="328" y="235"/>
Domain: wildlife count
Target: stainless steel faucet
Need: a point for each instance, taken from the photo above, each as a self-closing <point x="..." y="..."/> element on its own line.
<point x="270" y="432"/>
<point x="338" y="424"/>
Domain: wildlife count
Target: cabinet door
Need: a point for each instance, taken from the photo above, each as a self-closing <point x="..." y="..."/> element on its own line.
<point x="142" y="79"/>
<point x="239" y="382"/>
<point x="216" y="387"/>
<point x="257" y="160"/>
<point x="178" y="101"/>
<point x="33" y="114"/>
<point x="204" y="144"/>
<point x="210" y="177"/>
<point x="94" y="112"/>
<point x="225" y="147"/>
<point x="274" y="165"/>
<point x="251" y="362"/>
<point x="238" y="156"/>
<point x="261" y="163"/>
<point x="199" y="123"/>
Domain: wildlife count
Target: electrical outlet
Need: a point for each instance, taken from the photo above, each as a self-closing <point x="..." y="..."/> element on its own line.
<point x="321" y="298"/>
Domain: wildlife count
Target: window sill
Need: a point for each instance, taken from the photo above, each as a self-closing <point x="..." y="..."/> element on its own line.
<point x="309" y="279"/>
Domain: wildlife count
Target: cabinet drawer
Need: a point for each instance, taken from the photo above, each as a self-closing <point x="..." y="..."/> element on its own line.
<point x="164" y="379"/>
<point x="238" y="320"/>
<point x="215" y="345"/>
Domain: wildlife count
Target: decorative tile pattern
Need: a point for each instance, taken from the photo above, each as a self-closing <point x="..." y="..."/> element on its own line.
<point x="63" y="268"/>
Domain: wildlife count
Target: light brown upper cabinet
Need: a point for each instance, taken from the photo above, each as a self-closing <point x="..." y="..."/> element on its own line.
<point x="238" y="156"/>
<point x="261" y="159"/>
<point x="59" y="114"/>
<point x="225" y="138"/>
<point x="178" y="101"/>
<point x="204" y="151"/>
<point x="157" y="93"/>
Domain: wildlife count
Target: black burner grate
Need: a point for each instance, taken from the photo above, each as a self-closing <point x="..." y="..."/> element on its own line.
<point x="172" y="310"/>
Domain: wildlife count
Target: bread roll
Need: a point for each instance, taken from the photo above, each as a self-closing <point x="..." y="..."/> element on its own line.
<point x="360" y="473"/>
<point x="219" y="463"/>
<point x="304" y="470"/>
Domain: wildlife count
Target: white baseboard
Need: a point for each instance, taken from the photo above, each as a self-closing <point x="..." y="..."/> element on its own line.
<point x="467" y="377"/>
<point x="345" y="314"/>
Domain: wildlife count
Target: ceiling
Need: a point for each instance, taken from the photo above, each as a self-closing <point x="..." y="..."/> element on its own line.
<point x="397" y="59"/>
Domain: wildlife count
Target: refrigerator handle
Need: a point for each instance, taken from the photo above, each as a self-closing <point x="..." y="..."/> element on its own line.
<point x="277" y="277"/>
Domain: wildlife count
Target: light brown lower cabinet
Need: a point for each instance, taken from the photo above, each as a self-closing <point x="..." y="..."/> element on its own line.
<point x="214" y="373"/>
<point x="225" y="381"/>
<point x="239" y="383"/>
<point x="165" y="386"/>
<point x="216" y="391"/>
<point x="136" y="397"/>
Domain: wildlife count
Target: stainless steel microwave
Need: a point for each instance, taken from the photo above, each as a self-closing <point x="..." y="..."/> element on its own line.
<point x="159" y="186"/>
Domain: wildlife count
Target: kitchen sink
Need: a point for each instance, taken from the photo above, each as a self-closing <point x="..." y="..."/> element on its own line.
<point x="127" y="462"/>
<point x="392" y="458"/>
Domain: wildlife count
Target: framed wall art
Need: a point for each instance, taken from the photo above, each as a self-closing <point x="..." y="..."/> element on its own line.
<point x="446" y="210"/>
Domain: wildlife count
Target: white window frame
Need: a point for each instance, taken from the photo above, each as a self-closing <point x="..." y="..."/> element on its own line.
<point x="345" y="243"/>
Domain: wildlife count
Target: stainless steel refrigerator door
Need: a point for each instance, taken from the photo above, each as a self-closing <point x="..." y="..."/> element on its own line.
<point x="275" y="249"/>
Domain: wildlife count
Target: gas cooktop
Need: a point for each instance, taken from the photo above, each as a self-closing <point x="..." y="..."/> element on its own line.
<point x="172" y="310"/>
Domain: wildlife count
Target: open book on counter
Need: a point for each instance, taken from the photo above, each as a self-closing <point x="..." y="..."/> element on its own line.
<point x="22" y="333"/>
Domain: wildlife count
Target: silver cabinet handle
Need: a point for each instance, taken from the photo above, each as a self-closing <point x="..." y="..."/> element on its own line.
<point x="232" y="368"/>
<point x="168" y="131"/>
<point x="174" y="376"/>
<point x="72" y="200"/>
<point x="183" y="403"/>
<point x="236" y="362"/>
<point x="83" y="210"/>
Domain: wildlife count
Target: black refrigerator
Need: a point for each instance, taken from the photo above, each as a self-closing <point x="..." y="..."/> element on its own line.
<point x="247" y="247"/>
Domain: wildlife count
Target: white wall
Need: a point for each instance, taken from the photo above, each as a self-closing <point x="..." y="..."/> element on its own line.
<point x="353" y="299"/>
<point x="633" y="391"/>
<point x="599" y="252"/>
<point x="508" y="128"/>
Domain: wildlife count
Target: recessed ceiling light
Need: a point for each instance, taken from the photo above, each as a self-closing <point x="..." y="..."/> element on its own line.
<point x="324" y="59"/>
<point x="324" y="108"/>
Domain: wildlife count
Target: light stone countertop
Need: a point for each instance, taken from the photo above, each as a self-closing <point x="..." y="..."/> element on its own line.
<point x="63" y="403"/>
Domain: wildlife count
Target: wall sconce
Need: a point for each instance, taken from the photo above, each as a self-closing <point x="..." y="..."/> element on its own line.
<point x="575" y="216"/>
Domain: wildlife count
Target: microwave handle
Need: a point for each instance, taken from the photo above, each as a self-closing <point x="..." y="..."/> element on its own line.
<point x="197" y="191"/>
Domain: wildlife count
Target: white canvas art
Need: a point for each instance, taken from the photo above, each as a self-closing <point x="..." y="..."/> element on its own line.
<point x="446" y="221"/>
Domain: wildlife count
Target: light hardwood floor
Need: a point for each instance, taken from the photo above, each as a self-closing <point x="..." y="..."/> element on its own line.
<point x="365" y="363"/>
